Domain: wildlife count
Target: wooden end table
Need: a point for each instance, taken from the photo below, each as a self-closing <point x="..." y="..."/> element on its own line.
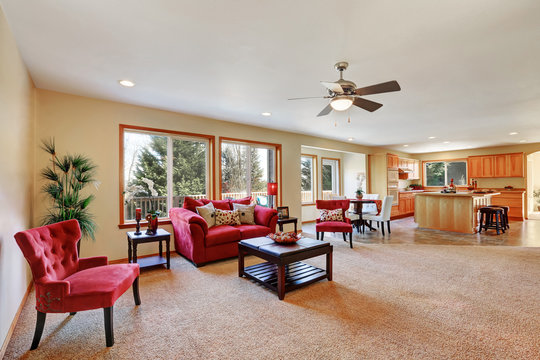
<point x="283" y="270"/>
<point x="134" y="240"/>
<point x="287" y="220"/>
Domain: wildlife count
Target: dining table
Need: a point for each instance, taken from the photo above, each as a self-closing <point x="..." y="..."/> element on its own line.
<point x="358" y="205"/>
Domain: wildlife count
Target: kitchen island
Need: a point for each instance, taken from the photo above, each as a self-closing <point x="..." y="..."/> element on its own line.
<point x="450" y="212"/>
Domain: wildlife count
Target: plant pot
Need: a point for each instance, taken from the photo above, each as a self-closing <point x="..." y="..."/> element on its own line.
<point x="359" y="197"/>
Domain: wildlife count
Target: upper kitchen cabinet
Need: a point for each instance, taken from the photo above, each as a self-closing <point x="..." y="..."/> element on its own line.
<point x="392" y="161"/>
<point x="493" y="166"/>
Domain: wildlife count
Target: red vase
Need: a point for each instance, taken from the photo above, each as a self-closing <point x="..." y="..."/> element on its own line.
<point x="155" y="225"/>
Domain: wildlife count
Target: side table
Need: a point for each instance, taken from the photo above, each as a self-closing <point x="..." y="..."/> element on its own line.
<point x="288" y="220"/>
<point x="134" y="240"/>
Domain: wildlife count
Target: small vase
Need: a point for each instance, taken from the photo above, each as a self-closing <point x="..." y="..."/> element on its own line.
<point x="359" y="197"/>
<point x="155" y="225"/>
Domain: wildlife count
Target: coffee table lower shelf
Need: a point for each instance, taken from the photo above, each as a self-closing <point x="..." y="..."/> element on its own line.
<point x="297" y="274"/>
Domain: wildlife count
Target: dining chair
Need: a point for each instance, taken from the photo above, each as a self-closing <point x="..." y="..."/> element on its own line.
<point x="384" y="216"/>
<point x="343" y="226"/>
<point x="65" y="283"/>
<point x="370" y="208"/>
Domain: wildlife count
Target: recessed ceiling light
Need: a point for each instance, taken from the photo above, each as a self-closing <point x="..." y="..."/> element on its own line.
<point x="350" y="139"/>
<point x="431" y="137"/>
<point x="513" y="133"/>
<point x="126" y="83"/>
<point x="405" y="145"/>
<point x="446" y="142"/>
<point x="522" y="140"/>
<point x="266" y="113"/>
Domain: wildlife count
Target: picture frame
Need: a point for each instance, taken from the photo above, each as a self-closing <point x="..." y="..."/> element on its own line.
<point x="283" y="212"/>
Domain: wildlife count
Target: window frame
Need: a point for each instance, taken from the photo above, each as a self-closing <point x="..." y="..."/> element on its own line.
<point x="124" y="224"/>
<point x="277" y="165"/>
<point x="445" y="161"/>
<point x="338" y="172"/>
<point x="314" y="179"/>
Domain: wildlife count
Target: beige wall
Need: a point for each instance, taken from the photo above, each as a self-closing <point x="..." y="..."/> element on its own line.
<point x="90" y="127"/>
<point x="16" y="180"/>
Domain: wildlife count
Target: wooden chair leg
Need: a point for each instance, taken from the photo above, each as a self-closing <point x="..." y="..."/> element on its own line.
<point x="344" y="236"/>
<point x="72" y="313"/>
<point x="109" y="331"/>
<point x="388" y="223"/>
<point x="317" y="235"/>
<point x="322" y="236"/>
<point x="382" y="227"/>
<point x="350" y="238"/>
<point x="136" y="295"/>
<point x="40" y="324"/>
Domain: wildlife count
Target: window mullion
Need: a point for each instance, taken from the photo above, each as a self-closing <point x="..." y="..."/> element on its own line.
<point x="169" y="172"/>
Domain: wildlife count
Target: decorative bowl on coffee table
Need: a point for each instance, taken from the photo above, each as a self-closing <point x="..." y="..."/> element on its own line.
<point x="284" y="237"/>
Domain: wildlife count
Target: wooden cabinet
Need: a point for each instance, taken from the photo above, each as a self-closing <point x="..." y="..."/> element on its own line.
<point x="415" y="175"/>
<point x="392" y="161"/>
<point x="405" y="206"/>
<point x="500" y="165"/>
<point x="513" y="199"/>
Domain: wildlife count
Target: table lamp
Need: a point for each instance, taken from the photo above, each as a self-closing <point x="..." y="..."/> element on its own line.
<point x="271" y="191"/>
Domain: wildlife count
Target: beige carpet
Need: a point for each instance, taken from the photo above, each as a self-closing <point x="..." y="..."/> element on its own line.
<point x="386" y="302"/>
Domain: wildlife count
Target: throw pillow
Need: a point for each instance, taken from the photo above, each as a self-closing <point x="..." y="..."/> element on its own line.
<point x="247" y="213"/>
<point x="208" y="213"/>
<point x="227" y="217"/>
<point x="191" y="203"/>
<point x="219" y="204"/>
<point x="243" y="201"/>
<point x="332" y="215"/>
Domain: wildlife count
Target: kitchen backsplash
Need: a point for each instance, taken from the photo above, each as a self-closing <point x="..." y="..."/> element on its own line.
<point x="501" y="182"/>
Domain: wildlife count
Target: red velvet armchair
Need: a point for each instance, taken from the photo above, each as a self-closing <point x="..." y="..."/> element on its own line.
<point x="344" y="226"/>
<point x="65" y="283"/>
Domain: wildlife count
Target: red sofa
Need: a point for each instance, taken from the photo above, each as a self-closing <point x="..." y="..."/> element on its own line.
<point x="200" y="244"/>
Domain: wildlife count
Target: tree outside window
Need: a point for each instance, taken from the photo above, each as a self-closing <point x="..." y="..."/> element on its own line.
<point x="440" y="173"/>
<point x="307" y="172"/>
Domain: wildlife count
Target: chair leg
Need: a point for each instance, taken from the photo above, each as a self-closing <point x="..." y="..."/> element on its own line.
<point x="322" y="236"/>
<point x="382" y="227"/>
<point x="136" y="295"/>
<point x="344" y="236"/>
<point x="350" y="238"/>
<point x="40" y="324"/>
<point x="109" y="331"/>
<point x="72" y="313"/>
<point x="388" y="223"/>
<point x="317" y="235"/>
<point x="377" y="224"/>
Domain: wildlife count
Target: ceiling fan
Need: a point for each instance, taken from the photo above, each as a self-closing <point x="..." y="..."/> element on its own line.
<point x="343" y="93"/>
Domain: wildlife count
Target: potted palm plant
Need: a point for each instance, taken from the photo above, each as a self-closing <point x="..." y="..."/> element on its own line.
<point x="66" y="178"/>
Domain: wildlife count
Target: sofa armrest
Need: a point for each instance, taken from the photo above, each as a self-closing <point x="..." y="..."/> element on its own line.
<point x="190" y="230"/>
<point x="50" y="295"/>
<point x="180" y="215"/>
<point x="266" y="217"/>
<point x="90" y="262"/>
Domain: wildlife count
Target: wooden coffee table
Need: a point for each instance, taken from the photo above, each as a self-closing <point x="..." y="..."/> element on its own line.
<point x="283" y="270"/>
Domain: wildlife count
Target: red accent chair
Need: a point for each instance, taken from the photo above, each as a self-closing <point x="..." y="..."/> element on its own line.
<point x="65" y="283"/>
<point x="334" y="226"/>
<point x="200" y="244"/>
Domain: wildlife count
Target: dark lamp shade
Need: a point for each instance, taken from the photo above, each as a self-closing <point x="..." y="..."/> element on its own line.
<point x="272" y="188"/>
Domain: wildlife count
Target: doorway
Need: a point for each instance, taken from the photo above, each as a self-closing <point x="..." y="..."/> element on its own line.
<point x="533" y="185"/>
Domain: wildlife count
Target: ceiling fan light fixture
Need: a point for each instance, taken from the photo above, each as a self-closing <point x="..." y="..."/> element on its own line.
<point x="341" y="103"/>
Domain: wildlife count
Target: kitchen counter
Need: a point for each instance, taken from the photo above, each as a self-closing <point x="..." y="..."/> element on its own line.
<point x="450" y="211"/>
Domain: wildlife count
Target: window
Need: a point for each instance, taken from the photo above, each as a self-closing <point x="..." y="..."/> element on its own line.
<point x="440" y="173"/>
<point x="307" y="171"/>
<point x="330" y="178"/>
<point x="159" y="169"/>
<point x="247" y="168"/>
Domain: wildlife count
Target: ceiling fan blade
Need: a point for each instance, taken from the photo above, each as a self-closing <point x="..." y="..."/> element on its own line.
<point x="332" y="86"/>
<point x="366" y="104"/>
<point x="325" y="111"/>
<point x="309" y="97"/>
<point x="379" y="88"/>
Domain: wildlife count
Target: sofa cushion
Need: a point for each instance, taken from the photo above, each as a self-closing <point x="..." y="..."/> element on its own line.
<point x="219" y="204"/>
<point x="243" y="201"/>
<point x="251" y="231"/>
<point x="227" y="217"/>
<point x="208" y="213"/>
<point x="191" y="203"/>
<point x="222" y="234"/>
<point x="247" y="213"/>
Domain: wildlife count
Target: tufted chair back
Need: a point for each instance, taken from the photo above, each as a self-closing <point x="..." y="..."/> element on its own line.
<point x="333" y="205"/>
<point x="51" y="250"/>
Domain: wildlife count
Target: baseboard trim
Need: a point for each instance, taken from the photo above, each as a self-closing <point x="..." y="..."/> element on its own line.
<point x="309" y="221"/>
<point x="15" y="320"/>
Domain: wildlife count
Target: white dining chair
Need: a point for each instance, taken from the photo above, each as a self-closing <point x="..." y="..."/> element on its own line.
<point x="370" y="208"/>
<point x="384" y="216"/>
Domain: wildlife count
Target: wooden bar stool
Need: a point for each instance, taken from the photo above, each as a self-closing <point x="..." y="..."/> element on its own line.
<point x="492" y="218"/>
<point x="506" y="210"/>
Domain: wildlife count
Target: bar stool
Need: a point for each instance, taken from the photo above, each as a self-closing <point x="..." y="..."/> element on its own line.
<point x="506" y="210"/>
<point x="492" y="218"/>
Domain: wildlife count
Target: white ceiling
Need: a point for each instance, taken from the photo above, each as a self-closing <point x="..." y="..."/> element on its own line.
<point x="469" y="70"/>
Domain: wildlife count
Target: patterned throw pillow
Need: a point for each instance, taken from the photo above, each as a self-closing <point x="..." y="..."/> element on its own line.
<point x="227" y="217"/>
<point x="332" y="215"/>
<point x="247" y="213"/>
<point x="208" y="213"/>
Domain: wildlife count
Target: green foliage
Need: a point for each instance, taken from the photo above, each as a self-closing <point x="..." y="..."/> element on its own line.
<point x="306" y="171"/>
<point x="237" y="163"/>
<point x="66" y="178"/>
<point x="327" y="177"/>
<point x="435" y="174"/>
<point x="359" y="191"/>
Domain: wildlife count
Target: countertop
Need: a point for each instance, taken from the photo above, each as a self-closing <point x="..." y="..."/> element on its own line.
<point x="411" y="191"/>
<point x="459" y="194"/>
